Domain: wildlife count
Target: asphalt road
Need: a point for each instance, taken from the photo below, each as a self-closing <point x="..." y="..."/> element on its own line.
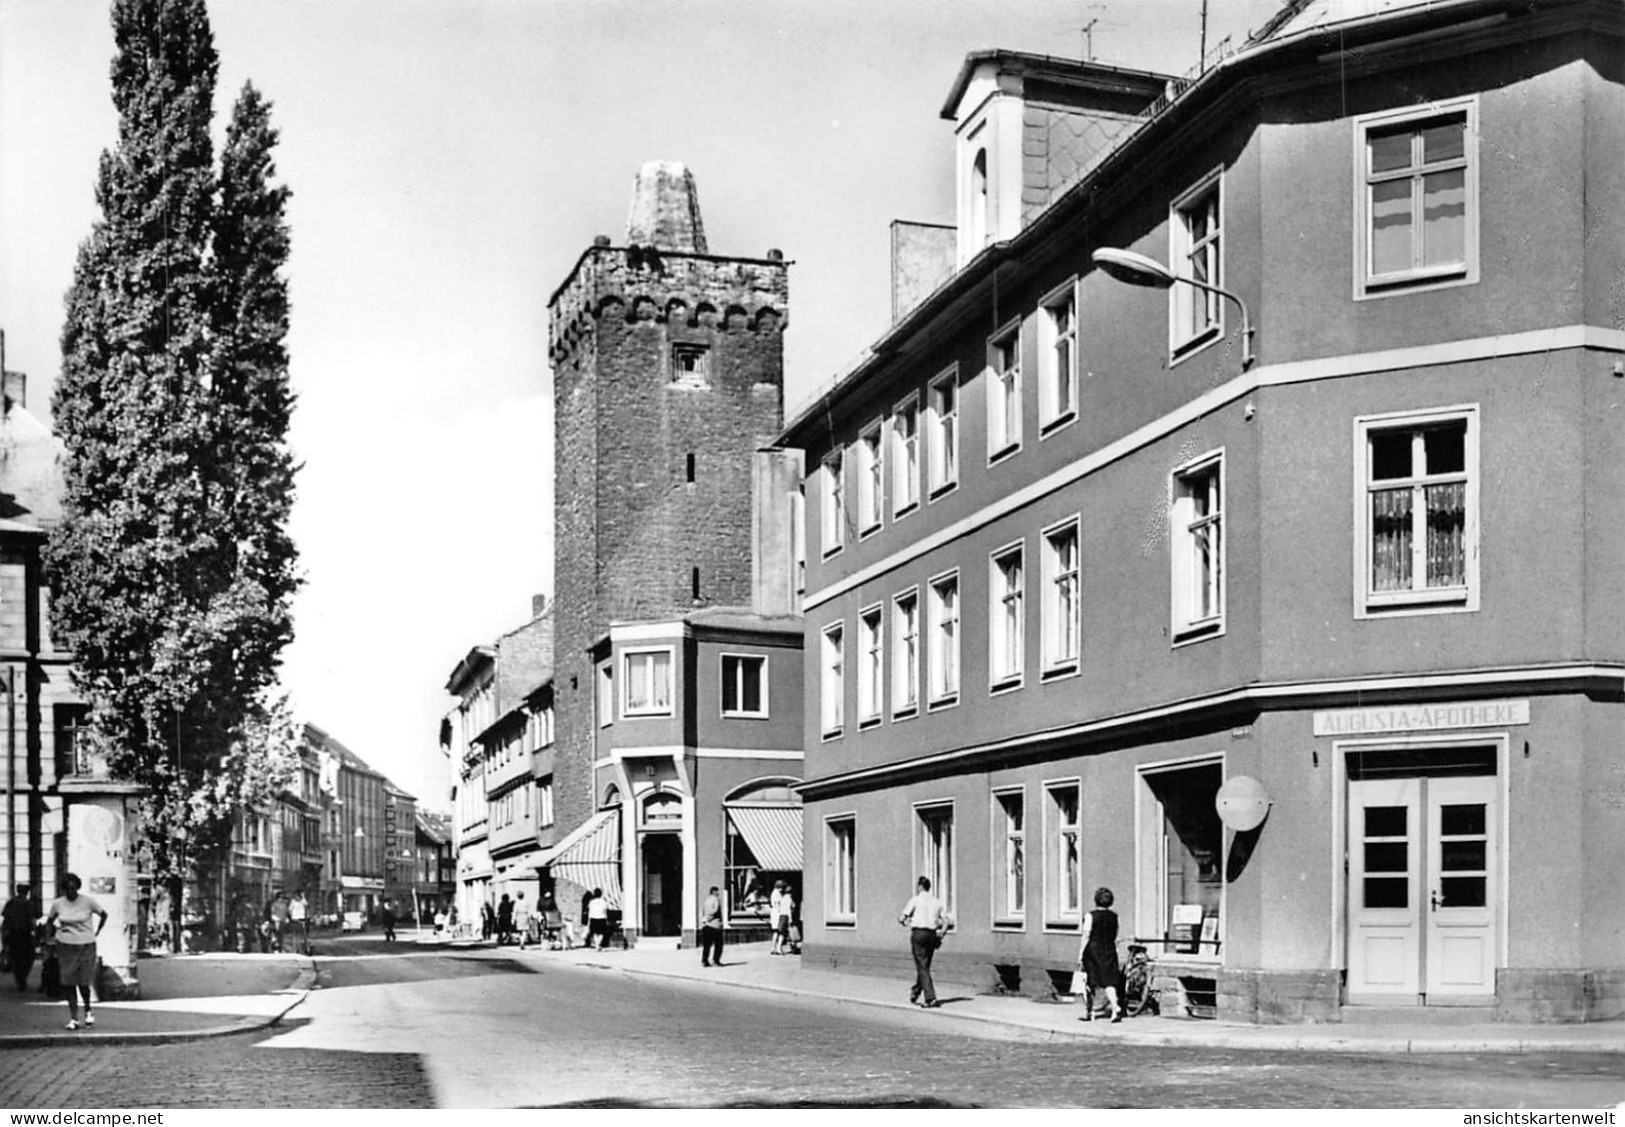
<point x="482" y="1029"/>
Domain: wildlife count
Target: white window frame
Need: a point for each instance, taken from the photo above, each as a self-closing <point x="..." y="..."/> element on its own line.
<point x="1059" y="914"/>
<point x="942" y="437"/>
<point x="871" y="478"/>
<point x="905" y="688"/>
<point x="1055" y="410"/>
<point x="545" y="812"/>
<point x="1182" y="298"/>
<point x="905" y="457"/>
<point x="943" y="657"/>
<point x="832" y="681"/>
<point x="1186" y="625"/>
<point x="1423" y="600"/>
<point x="928" y="858"/>
<point x="670" y="654"/>
<point x="1422" y="278"/>
<point x="840" y="869"/>
<point x="1004" y="399"/>
<point x="722" y="677"/>
<point x="1006" y="655"/>
<point x="1010" y="912"/>
<point x="832" y="502"/>
<point x="871" y="665"/>
<point x="1052" y="662"/>
<point x="604" y="696"/>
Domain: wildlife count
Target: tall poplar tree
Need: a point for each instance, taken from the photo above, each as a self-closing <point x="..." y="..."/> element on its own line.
<point x="172" y="569"/>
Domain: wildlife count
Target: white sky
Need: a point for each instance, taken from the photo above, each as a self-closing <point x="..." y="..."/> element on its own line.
<point x="450" y="160"/>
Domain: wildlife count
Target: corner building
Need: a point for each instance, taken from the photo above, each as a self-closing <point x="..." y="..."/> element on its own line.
<point x="677" y="671"/>
<point x="1084" y="557"/>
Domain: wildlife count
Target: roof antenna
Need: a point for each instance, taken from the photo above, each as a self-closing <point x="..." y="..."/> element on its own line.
<point x="1201" y="58"/>
<point x="1089" y="41"/>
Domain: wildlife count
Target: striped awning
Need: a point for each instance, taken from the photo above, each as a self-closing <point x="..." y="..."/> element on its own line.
<point x="773" y="834"/>
<point x="589" y="856"/>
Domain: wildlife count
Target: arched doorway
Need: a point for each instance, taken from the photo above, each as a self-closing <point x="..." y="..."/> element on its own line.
<point x="662" y="874"/>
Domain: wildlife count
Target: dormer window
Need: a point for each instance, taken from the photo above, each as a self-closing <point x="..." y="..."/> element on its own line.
<point x="978" y="201"/>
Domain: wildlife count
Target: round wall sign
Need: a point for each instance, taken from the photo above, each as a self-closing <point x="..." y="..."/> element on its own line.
<point x="1242" y="803"/>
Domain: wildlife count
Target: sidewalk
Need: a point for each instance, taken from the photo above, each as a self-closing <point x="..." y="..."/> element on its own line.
<point x="183" y="998"/>
<point x="750" y="966"/>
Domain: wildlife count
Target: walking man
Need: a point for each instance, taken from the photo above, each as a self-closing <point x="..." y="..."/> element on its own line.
<point x="711" y="929"/>
<point x="927" y="920"/>
<point x="389" y="921"/>
<point x="20" y="915"/>
<point x="521" y="920"/>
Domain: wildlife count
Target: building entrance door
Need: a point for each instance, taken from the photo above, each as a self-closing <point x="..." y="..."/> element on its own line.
<point x="662" y="884"/>
<point x="1423" y="895"/>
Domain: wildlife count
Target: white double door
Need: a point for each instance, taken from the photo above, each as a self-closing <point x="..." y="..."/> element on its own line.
<point x="1423" y="895"/>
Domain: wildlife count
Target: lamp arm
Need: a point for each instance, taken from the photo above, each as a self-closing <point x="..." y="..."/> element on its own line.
<point x="1246" y="321"/>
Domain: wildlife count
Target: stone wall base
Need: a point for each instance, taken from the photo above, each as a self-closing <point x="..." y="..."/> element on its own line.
<point x="1268" y="997"/>
<point x="1560" y="996"/>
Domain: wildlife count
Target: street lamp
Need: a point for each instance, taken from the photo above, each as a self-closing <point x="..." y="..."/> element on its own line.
<point x="1139" y="270"/>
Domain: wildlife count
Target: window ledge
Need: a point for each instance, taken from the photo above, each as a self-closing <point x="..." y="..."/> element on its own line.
<point x="832" y="734"/>
<point x="868" y="722"/>
<point x="899" y="514"/>
<point x="944" y="702"/>
<point x="842" y="922"/>
<point x="1059" y="422"/>
<point x="1072" y="926"/>
<point x="1198" y="632"/>
<point x="868" y="531"/>
<point x="745" y="716"/>
<point x="905" y="713"/>
<point x="1011" y="924"/>
<point x="1058" y="672"/>
<point x="1004" y="453"/>
<point x="1192" y="345"/>
<point x="1007" y="685"/>
<point x="938" y="492"/>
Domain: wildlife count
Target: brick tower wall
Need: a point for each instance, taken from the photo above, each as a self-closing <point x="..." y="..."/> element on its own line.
<point x="630" y="528"/>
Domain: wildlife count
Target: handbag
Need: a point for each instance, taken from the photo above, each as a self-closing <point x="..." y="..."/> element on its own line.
<point x="1080" y="986"/>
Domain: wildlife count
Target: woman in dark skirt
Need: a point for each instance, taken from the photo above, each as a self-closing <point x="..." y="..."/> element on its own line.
<point x="1097" y="956"/>
<point x="78" y="920"/>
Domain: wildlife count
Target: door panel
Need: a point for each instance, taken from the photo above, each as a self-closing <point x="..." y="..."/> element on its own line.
<point x="1385" y="862"/>
<point x="1462" y="895"/>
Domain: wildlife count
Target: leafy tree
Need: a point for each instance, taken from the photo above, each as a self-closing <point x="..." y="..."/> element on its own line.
<point x="173" y="568"/>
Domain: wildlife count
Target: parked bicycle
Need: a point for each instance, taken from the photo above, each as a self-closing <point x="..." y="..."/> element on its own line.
<point x="1140" y="995"/>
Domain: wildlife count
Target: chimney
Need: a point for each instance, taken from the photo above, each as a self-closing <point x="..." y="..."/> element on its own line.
<point x="776" y="532"/>
<point x="538" y="604"/>
<point x="665" y="209"/>
<point x="15" y="387"/>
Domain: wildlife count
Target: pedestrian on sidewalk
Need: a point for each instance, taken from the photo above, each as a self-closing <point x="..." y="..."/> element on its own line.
<point x="775" y="916"/>
<point x="388" y="916"/>
<point x="1097" y="956"/>
<point x="597" y="920"/>
<point x="487" y="920"/>
<point x="71" y="915"/>
<point x="17" y="934"/>
<point x="504" y="920"/>
<point x="927" y="920"/>
<point x="784" y="938"/>
<point x="521" y="920"/>
<point x="711" y="929"/>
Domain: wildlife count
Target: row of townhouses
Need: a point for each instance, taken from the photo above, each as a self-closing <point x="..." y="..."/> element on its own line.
<point x="340" y="833"/>
<point x="1225" y="519"/>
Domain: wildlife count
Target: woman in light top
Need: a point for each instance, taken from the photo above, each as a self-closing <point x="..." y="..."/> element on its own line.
<point x="78" y="920"/>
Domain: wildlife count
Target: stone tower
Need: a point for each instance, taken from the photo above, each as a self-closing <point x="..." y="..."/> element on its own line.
<point x="668" y="374"/>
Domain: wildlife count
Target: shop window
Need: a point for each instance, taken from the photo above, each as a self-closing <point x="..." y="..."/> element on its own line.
<point x="1181" y="878"/>
<point x="1064" y="883"/>
<point x="1010" y="857"/>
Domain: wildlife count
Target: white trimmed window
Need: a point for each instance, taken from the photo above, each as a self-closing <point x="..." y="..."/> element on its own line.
<point x="1196" y="315"/>
<point x="942" y="434"/>
<point x="648" y="682"/>
<point x="934" y="834"/>
<point x="744" y="685"/>
<point x="1416" y="199"/>
<point x="1010" y="856"/>
<point x="1197" y="535"/>
<point x="1417" y="518"/>
<point x="833" y="695"/>
<point x="544" y="801"/>
<point x="944" y="657"/>
<point x="1062" y="607"/>
<point x="832" y="502"/>
<point x="1004" y="394"/>
<point x="870" y="479"/>
<point x="840" y="869"/>
<point x="905" y="457"/>
<point x="1006" y="592"/>
<point x="1058" y="359"/>
<point x="871" y="667"/>
<point x="605" y="698"/>
<point x="1064" y="875"/>
<point x="905" y="635"/>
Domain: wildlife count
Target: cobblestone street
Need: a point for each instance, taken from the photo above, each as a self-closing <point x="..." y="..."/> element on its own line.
<point x="454" y="1030"/>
